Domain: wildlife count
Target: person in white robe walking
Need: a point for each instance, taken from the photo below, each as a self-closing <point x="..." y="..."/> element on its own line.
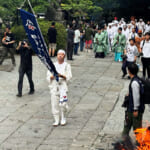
<point x="59" y="90"/>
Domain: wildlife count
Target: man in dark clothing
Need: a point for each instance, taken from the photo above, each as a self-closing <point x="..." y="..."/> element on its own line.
<point x="8" y="42"/>
<point x="88" y="37"/>
<point x="52" y="35"/>
<point x="135" y="105"/>
<point x="25" y="66"/>
<point x="70" y="43"/>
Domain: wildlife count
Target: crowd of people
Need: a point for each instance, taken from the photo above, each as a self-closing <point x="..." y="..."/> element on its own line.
<point x="129" y="42"/>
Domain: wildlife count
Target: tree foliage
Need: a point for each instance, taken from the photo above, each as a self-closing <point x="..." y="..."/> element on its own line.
<point x="8" y="8"/>
<point x="80" y="8"/>
<point x="110" y="8"/>
<point x="92" y="9"/>
<point x="20" y="34"/>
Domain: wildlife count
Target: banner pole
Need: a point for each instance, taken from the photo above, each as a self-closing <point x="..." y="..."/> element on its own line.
<point x="22" y="4"/>
<point x="31" y="7"/>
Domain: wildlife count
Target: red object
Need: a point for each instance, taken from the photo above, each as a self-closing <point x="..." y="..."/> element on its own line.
<point x="115" y="18"/>
<point x="88" y="42"/>
<point x="31" y="27"/>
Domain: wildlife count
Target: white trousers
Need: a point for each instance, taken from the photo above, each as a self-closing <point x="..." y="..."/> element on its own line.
<point x="57" y="107"/>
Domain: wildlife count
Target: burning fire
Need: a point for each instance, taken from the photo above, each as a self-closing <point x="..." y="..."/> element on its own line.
<point x="143" y="138"/>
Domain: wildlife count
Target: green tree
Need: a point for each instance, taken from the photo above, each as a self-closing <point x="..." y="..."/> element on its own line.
<point x="110" y="8"/>
<point x="20" y="34"/>
<point x="8" y="8"/>
<point x="80" y="8"/>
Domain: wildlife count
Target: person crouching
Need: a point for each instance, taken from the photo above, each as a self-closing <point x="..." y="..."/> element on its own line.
<point x="59" y="90"/>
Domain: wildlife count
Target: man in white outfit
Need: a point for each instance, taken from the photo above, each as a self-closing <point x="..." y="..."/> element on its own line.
<point x="141" y="25"/>
<point x="59" y="90"/>
<point x="110" y="35"/>
<point x="129" y="28"/>
<point x="114" y="29"/>
<point x="125" y="31"/>
<point x="147" y="27"/>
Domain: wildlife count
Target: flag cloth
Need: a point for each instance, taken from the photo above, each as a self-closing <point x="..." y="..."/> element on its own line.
<point x="36" y="39"/>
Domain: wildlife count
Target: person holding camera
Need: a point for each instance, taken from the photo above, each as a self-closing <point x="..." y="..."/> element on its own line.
<point x="25" y="66"/>
<point x="133" y="103"/>
<point x="130" y="55"/>
<point x="8" y="43"/>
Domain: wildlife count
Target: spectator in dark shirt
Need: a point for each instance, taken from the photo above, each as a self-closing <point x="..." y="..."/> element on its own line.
<point x="25" y="66"/>
<point x="52" y="35"/>
<point x="88" y="39"/>
<point x="70" y="43"/>
<point x="8" y="41"/>
<point x="82" y="40"/>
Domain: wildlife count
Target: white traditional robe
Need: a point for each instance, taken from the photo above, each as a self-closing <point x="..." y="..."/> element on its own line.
<point x="126" y="33"/>
<point x="110" y="36"/>
<point x="141" y="26"/>
<point x="147" y="28"/>
<point x="59" y="90"/>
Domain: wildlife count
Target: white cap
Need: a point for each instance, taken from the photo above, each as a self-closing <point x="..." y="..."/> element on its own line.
<point x="141" y="19"/>
<point x="61" y="51"/>
<point x="125" y="26"/>
<point x="115" y="21"/>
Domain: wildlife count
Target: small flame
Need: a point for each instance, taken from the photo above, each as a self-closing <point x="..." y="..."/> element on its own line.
<point x="143" y="138"/>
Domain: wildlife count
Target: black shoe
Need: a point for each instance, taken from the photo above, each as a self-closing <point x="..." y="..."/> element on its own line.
<point x="129" y="77"/>
<point x="31" y="92"/>
<point x="72" y="59"/>
<point x="123" y="76"/>
<point x="19" y="95"/>
<point x="14" y="64"/>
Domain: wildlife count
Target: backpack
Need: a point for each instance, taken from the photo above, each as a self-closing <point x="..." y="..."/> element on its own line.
<point x="146" y="93"/>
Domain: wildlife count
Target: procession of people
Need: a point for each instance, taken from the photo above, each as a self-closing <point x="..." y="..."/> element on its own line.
<point x="127" y="41"/>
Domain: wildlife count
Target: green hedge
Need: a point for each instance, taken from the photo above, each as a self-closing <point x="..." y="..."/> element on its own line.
<point x="19" y="33"/>
<point x="61" y="33"/>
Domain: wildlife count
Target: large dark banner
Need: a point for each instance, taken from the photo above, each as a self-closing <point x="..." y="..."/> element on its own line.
<point x="36" y="39"/>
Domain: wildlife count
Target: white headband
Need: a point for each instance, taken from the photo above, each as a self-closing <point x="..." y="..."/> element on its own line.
<point x="61" y="51"/>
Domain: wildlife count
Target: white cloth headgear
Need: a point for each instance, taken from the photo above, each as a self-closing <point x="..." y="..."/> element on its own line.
<point x="61" y="51"/>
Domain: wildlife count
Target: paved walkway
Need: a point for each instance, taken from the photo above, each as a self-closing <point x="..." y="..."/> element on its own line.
<point x="95" y="117"/>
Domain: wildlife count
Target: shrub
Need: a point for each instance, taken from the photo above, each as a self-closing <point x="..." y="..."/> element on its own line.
<point x="20" y="34"/>
<point x="61" y="33"/>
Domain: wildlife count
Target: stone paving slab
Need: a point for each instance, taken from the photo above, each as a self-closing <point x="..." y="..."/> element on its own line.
<point x="95" y="117"/>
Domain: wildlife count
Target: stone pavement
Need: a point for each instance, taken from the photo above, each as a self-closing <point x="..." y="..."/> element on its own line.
<point x="95" y="118"/>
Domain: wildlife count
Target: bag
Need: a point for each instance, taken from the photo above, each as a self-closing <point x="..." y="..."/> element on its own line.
<point x="143" y="44"/>
<point x="126" y="102"/>
<point x="144" y="89"/>
<point x="146" y="93"/>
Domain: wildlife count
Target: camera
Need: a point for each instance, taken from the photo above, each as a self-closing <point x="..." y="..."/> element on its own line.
<point x="140" y="54"/>
<point x="124" y="57"/>
<point x="126" y="102"/>
<point x="22" y="43"/>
